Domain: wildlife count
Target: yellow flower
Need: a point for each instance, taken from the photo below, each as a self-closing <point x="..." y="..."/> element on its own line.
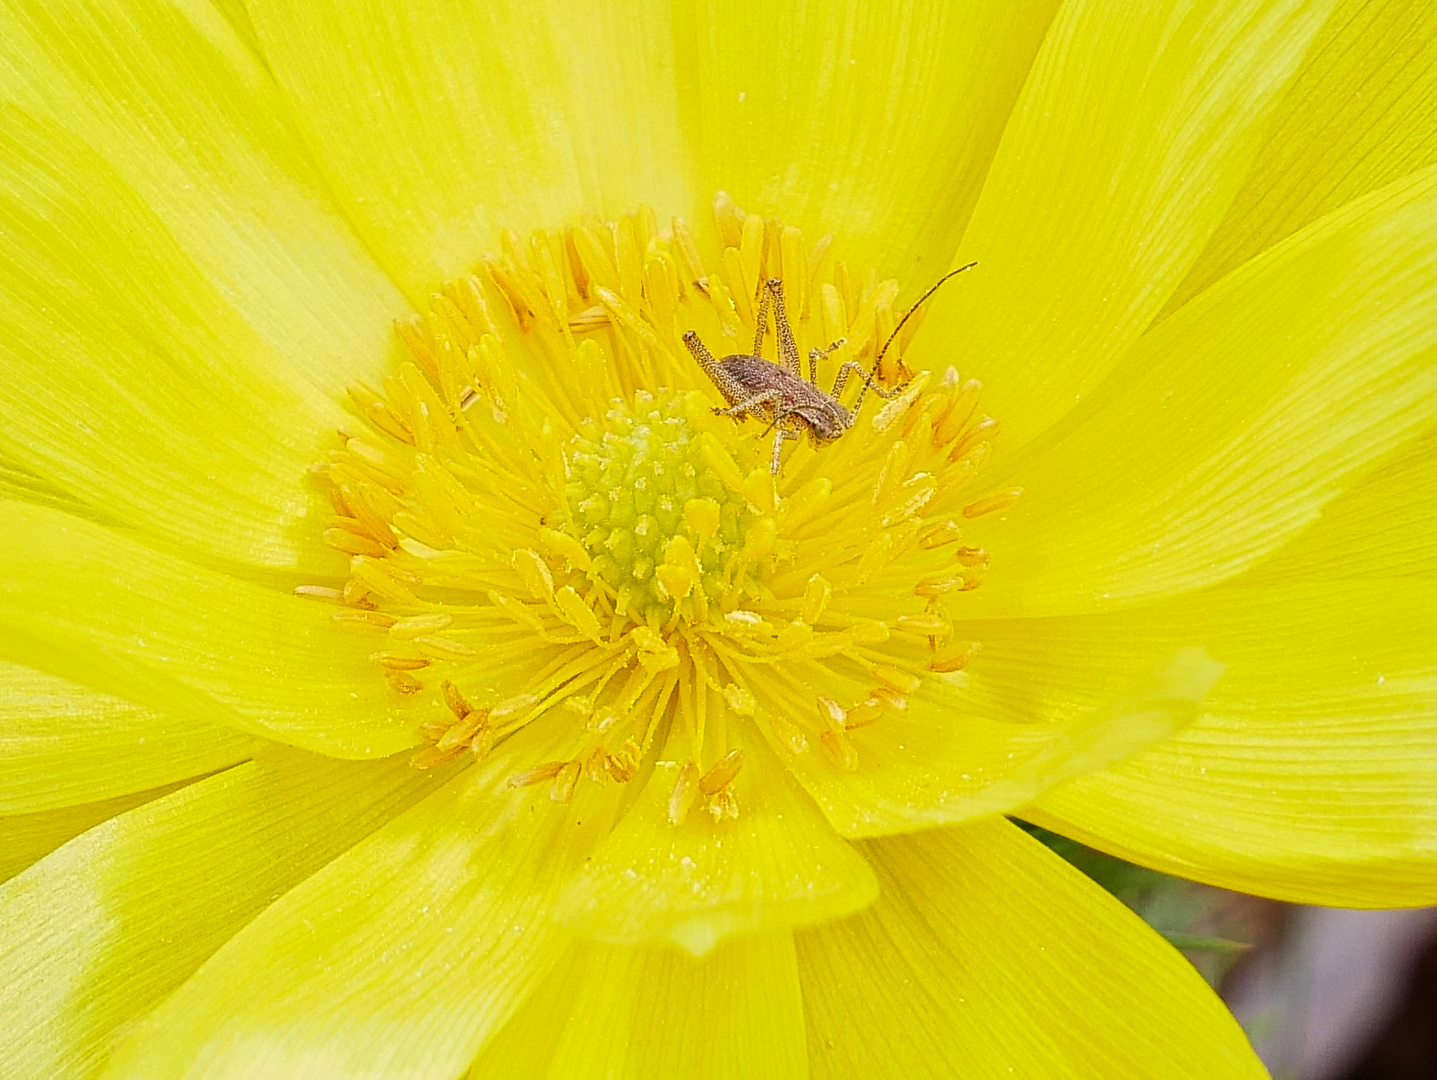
<point x="711" y="761"/>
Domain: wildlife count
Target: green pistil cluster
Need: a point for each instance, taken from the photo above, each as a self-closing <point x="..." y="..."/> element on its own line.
<point x="637" y="480"/>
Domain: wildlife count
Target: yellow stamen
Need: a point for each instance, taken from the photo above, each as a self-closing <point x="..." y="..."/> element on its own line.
<point x="686" y="790"/>
<point x="955" y="659"/>
<point x="862" y="715"/>
<point x="418" y="625"/>
<point x="565" y="780"/>
<point x="840" y="749"/>
<point x="359" y="619"/>
<point x="542" y="498"/>
<point x="538" y="775"/>
<point x="722" y="774"/>
<point x="993" y="503"/>
<point x="397" y="662"/>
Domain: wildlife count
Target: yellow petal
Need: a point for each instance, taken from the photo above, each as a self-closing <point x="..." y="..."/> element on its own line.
<point x="100" y="931"/>
<point x="778" y="864"/>
<point x="130" y="382"/>
<point x="237" y="16"/>
<point x="28" y="838"/>
<point x="85" y="603"/>
<point x="189" y="125"/>
<point x="1234" y="421"/>
<point x="988" y="956"/>
<point x="440" y="123"/>
<point x="402" y="955"/>
<point x="434" y="124"/>
<point x="960" y="750"/>
<point x="61" y="744"/>
<point x="18" y="482"/>
<point x="611" y="1013"/>
<point x="872" y="123"/>
<point x="1311" y="774"/>
<point x="1383" y="526"/>
<point x="1125" y="148"/>
<point x="1358" y="116"/>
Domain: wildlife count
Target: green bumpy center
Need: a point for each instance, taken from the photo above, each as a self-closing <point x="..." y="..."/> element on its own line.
<point x="632" y="479"/>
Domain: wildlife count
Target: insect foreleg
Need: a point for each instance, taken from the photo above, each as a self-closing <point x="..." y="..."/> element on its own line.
<point x="779" y="416"/>
<point x="772" y="398"/>
<point x="783" y="433"/>
<point x="815" y="355"/>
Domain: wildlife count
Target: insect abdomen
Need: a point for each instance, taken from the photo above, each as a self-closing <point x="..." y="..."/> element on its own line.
<point x="750" y="375"/>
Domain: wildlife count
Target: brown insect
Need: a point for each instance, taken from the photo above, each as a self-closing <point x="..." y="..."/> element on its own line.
<point x="778" y="393"/>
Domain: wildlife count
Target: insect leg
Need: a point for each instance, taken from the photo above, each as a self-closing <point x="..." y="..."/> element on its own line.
<point x="787" y="347"/>
<point x="762" y="324"/>
<point x="700" y="353"/>
<point x="711" y="366"/>
<point x="815" y="355"/>
<point x="779" y="416"/>
<point x="868" y="384"/>
<point x="772" y="398"/>
<point x="783" y="433"/>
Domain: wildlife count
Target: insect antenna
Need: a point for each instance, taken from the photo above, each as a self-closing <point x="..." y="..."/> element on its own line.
<point x="906" y="316"/>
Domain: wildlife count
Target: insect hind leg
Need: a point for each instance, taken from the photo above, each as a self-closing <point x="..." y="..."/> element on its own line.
<point x="762" y="327"/>
<point x="787" y="347"/>
<point x="701" y="354"/>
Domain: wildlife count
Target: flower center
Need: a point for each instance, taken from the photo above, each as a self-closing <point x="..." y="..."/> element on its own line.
<point x="561" y="494"/>
<point x="655" y="519"/>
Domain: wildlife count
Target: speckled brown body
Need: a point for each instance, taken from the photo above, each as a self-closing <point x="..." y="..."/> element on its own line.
<point x="801" y="403"/>
<point x="778" y="393"/>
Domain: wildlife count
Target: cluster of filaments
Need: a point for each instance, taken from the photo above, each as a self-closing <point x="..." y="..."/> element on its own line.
<point x="542" y="497"/>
